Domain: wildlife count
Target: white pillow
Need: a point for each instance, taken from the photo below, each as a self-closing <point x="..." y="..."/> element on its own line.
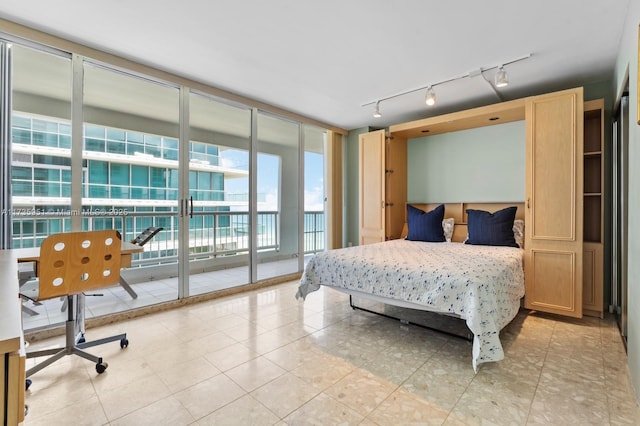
<point x="518" y="232"/>
<point x="447" y="228"/>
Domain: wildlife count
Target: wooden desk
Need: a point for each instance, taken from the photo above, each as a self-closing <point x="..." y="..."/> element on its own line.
<point x="12" y="359"/>
<point x="12" y="353"/>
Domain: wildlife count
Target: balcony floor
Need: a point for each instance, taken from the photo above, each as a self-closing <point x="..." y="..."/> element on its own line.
<point x="117" y="300"/>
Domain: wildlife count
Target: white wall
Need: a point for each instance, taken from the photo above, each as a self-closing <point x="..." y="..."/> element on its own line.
<point x="486" y="164"/>
<point x="628" y="59"/>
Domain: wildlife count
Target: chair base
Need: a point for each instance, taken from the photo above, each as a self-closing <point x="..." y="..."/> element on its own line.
<point x="73" y="346"/>
<point x="29" y="311"/>
<point x="128" y="288"/>
<point x="125" y="285"/>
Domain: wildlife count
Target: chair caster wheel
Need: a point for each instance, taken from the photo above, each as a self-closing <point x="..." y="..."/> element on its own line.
<point x="27" y="383"/>
<point x="124" y="343"/>
<point x="101" y="367"/>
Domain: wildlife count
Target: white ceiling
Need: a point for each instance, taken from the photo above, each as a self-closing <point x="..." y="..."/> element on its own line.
<point x="324" y="59"/>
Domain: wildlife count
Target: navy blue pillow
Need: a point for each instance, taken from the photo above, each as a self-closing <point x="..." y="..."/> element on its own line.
<point x="491" y="229"/>
<point x="425" y="226"/>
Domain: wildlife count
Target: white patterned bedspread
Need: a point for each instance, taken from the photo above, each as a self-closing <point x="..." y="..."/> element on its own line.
<point x="481" y="284"/>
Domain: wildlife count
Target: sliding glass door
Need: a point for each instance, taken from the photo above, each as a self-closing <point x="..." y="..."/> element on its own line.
<point x="278" y="211"/>
<point x="40" y="145"/>
<point x="130" y="182"/>
<point x="40" y="171"/>
<point x="238" y="192"/>
<point x="219" y="239"/>
<point x="619" y="208"/>
<point x="315" y="198"/>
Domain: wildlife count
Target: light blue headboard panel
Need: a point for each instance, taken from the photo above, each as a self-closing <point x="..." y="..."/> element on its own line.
<point x="486" y="164"/>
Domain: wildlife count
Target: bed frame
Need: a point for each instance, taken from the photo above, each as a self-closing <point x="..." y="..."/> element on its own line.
<point x="458" y="211"/>
<point x="401" y="304"/>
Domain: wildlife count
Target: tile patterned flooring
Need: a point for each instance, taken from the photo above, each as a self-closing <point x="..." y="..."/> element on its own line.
<point x="264" y="358"/>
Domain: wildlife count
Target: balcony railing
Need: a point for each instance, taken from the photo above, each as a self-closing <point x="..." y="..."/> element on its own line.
<point x="314" y="236"/>
<point x="211" y="234"/>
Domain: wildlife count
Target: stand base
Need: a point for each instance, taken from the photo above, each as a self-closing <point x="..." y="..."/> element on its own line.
<point x="468" y="337"/>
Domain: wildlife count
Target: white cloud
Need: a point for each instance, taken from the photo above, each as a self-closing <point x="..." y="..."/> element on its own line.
<point x="314" y="199"/>
<point x="270" y="202"/>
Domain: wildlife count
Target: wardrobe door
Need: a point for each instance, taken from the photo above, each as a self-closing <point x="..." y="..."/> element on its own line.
<point x="395" y="186"/>
<point x="371" y="152"/>
<point x="554" y="180"/>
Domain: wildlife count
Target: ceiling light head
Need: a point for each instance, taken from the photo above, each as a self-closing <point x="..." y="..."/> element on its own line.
<point x="376" y="112"/>
<point x="430" y="99"/>
<point x="501" y="78"/>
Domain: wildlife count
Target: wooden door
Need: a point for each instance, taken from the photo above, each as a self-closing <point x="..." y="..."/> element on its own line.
<point x="554" y="180"/>
<point x="592" y="289"/>
<point x="371" y="152"/>
<point x="395" y="186"/>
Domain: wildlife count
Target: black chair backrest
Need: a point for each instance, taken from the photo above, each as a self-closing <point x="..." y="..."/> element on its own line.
<point x="146" y="235"/>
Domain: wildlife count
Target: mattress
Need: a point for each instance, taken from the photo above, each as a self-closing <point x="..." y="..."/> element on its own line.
<point x="481" y="284"/>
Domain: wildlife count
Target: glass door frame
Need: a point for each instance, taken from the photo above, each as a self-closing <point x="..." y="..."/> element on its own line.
<point x="183" y="195"/>
<point x="187" y="202"/>
<point x="78" y="62"/>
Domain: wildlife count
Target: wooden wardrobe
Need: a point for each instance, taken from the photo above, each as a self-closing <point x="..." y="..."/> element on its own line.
<point x="553" y="205"/>
<point x="383" y="186"/>
<point x="563" y="205"/>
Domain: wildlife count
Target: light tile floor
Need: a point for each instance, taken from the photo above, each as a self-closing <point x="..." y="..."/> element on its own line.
<point x="263" y="358"/>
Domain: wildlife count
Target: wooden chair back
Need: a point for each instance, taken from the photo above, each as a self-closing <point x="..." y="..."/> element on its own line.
<point x="74" y="262"/>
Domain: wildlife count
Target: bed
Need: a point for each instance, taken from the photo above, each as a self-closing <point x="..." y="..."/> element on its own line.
<point x="482" y="284"/>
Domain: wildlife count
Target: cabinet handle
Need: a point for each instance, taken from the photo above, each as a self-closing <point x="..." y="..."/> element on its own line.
<point x="528" y="204"/>
<point x="383" y="204"/>
<point x="389" y="204"/>
<point x="388" y="171"/>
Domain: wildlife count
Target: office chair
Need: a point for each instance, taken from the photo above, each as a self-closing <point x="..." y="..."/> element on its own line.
<point x="26" y="277"/>
<point x="70" y="264"/>
<point x="143" y="238"/>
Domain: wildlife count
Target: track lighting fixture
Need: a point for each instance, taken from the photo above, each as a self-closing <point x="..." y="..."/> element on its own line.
<point x="501" y="78"/>
<point x="376" y="112"/>
<point x="430" y="99"/>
